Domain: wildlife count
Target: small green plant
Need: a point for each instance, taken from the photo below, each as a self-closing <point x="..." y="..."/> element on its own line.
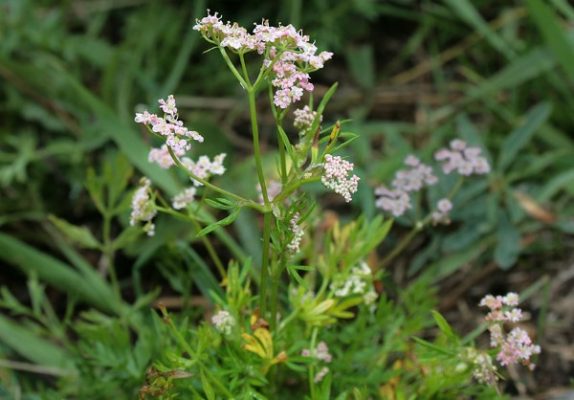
<point x="282" y="325"/>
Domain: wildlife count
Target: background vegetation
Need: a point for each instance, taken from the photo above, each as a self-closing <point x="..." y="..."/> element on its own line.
<point x="412" y="74"/>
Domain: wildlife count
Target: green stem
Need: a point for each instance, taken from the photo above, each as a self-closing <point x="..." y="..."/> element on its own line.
<point x="244" y="68"/>
<point x="256" y="147"/>
<point x="195" y="221"/>
<point x="212" y="253"/>
<point x="278" y="122"/>
<point x="405" y="241"/>
<point x="108" y="251"/>
<point x="294" y="186"/>
<point x="242" y="201"/>
<point x="263" y="282"/>
<point x="312" y="366"/>
<point x="234" y="70"/>
<point x="275" y="278"/>
<point x="264" y="279"/>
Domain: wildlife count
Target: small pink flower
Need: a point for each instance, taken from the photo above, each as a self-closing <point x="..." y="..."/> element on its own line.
<point x="336" y="176"/>
<point x="462" y="159"/>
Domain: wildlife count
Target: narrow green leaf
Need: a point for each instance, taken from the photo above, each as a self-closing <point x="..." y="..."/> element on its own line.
<point x="79" y="235"/>
<point x="443" y="325"/>
<point x="469" y="14"/>
<point x="564" y="180"/>
<point x="508" y="244"/>
<point x="206" y="386"/>
<point x="51" y="271"/>
<point x="433" y="347"/>
<point x="555" y="37"/>
<point x="33" y="347"/>
<point x="223" y="222"/>
<point x="520" y="137"/>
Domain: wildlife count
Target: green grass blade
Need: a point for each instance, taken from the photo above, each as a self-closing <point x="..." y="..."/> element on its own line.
<point x="555" y="37"/>
<point x="522" y="135"/>
<point x="53" y="272"/>
<point x="33" y="347"/>
<point x="469" y="14"/>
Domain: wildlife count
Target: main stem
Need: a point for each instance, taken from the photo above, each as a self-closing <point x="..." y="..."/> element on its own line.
<point x="264" y="277"/>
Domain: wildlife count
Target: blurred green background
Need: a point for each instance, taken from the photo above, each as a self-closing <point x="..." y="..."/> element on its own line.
<point x="413" y="74"/>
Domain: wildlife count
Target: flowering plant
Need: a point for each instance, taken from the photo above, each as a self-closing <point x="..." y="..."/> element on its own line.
<point x="315" y="280"/>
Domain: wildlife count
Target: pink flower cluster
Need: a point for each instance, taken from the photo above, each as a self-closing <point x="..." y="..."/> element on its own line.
<point x="516" y="346"/>
<point x="463" y="159"/>
<point x="397" y="199"/>
<point x="321" y="353"/>
<point x="304" y="118"/>
<point x="273" y="187"/>
<point x="161" y="157"/>
<point x="336" y="176"/>
<point x="143" y="207"/>
<point x="289" y="55"/>
<point x="177" y="136"/>
<point x="440" y="215"/>
<point x="204" y="168"/>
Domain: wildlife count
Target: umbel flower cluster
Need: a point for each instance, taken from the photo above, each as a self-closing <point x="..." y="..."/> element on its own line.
<point x="289" y="56"/>
<point x="336" y="176"/>
<point x="177" y="143"/>
<point x="513" y="347"/>
<point x="459" y="158"/>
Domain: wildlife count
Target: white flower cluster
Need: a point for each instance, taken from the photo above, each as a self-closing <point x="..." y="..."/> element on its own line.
<point x="183" y="199"/>
<point x="358" y="282"/>
<point x="177" y="136"/>
<point x="223" y="322"/>
<point x="463" y="159"/>
<point x="336" y="176"/>
<point x="298" y="233"/>
<point x="204" y="167"/>
<point x="483" y="370"/>
<point x="304" y="118"/>
<point x="143" y="207"/>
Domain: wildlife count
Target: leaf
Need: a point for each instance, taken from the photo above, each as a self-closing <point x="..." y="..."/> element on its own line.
<point x="220" y="203"/>
<point x="452" y="263"/>
<point x="362" y="65"/>
<point x="79" y="235"/>
<point x="117" y="173"/>
<point x="443" y="325"/>
<point x="325" y="99"/>
<point x="200" y="272"/>
<point x="554" y="185"/>
<point x="223" y="222"/>
<point x="468" y="13"/>
<point x="55" y="273"/>
<point x="523" y="69"/>
<point x="206" y="386"/>
<point x="125" y="238"/>
<point x="95" y="189"/>
<point x="520" y="137"/>
<point x="555" y="37"/>
<point x="33" y="347"/>
<point x="508" y="244"/>
<point x="433" y="347"/>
